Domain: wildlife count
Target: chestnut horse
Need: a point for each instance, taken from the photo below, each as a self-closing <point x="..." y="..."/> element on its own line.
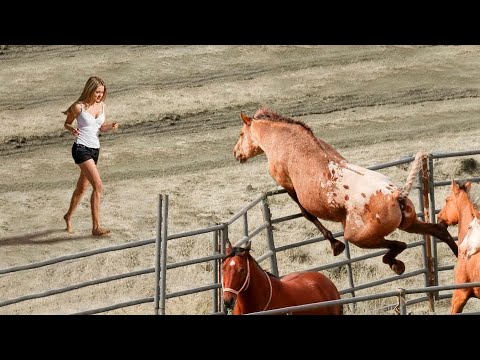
<point x="326" y="186"/>
<point x="460" y="209"/>
<point x="248" y="288"/>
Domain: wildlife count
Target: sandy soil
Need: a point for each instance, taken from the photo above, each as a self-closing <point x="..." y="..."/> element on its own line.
<point x="178" y="108"/>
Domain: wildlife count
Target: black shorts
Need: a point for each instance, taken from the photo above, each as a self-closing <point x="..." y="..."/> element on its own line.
<point x="82" y="153"/>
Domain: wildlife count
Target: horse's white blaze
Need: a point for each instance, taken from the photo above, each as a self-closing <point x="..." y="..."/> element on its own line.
<point x="354" y="185"/>
<point x="471" y="243"/>
<point x="232" y="263"/>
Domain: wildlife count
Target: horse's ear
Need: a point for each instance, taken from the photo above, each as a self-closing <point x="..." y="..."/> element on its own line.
<point x="455" y="187"/>
<point x="246" y="119"/>
<point x="248" y="246"/>
<point x="228" y="247"/>
<point x="468" y="185"/>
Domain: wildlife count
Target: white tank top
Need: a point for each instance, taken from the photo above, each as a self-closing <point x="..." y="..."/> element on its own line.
<point x="89" y="127"/>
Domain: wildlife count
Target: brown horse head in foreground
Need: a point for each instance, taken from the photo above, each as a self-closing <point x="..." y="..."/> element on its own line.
<point x="326" y="186"/>
<point x="247" y="288"/>
<point x="460" y="209"/>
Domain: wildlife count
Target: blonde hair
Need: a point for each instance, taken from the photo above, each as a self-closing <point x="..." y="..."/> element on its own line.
<point x="88" y="91"/>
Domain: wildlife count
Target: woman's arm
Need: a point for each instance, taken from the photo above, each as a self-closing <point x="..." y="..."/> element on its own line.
<point x="107" y="127"/>
<point x="72" y="115"/>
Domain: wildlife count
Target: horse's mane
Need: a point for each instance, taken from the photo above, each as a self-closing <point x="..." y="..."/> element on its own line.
<point x="268" y="272"/>
<point x="237" y="250"/>
<point x="473" y="194"/>
<point x="267" y="114"/>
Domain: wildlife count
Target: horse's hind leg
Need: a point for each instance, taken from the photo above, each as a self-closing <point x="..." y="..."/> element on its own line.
<point x="410" y="223"/>
<point x="337" y="245"/>
<point x="437" y="230"/>
<point x="394" y="248"/>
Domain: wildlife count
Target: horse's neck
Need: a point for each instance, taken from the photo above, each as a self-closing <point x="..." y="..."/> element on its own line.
<point x="258" y="293"/>
<point x="465" y="217"/>
<point x="269" y="134"/>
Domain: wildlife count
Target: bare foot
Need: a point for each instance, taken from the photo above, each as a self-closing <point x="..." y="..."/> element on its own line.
<point x="69" y="228"/>
<point x="100" y="232"/>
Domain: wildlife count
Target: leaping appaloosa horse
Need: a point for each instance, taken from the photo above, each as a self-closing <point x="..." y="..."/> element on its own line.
<point x="326" y="186"/>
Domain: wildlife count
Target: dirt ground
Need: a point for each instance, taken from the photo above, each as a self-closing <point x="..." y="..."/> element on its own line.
<point x="178" y="108"/>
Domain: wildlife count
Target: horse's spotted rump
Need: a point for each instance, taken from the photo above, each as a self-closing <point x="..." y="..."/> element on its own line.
<point x="357" y="185"/>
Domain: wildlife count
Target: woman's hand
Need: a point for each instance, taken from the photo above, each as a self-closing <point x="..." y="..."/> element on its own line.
<point x="75" y="132"/>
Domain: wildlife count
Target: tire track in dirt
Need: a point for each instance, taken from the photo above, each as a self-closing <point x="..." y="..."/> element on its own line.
<point x="248" y="72"/>
<point x="229" y="116"/>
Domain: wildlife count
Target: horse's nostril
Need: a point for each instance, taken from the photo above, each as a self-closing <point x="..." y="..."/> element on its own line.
<point x="228" y="304"/>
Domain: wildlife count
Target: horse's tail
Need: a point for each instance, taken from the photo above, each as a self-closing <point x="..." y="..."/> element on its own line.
<point x="405" y="190"/>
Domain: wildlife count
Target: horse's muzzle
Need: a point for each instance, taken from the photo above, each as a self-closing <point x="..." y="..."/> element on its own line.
<point x="442" y="222"/>
<point x="228" y="305"/>
<point x="239" y="157"/>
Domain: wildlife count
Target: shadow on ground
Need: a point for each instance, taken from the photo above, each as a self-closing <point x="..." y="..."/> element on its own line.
<point x="39" y="238"/>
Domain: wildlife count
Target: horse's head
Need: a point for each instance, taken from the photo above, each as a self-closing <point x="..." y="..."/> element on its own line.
<point x="471" y="243"/>
<point x="247" y="145"/>
<point x="235" y="273"/>
<point x="457" y="199"/>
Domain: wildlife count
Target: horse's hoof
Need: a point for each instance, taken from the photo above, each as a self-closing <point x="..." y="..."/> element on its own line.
<point x="338" y="248"/>
<point x="398" y="267"/>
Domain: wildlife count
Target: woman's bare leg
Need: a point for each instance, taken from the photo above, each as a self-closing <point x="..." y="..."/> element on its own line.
<point x="89" y="169"/>
<point x="82" y="185"/>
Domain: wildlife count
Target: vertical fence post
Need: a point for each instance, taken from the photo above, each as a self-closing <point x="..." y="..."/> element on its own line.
<point x="163" y="255"/>
<point x="157" y="255"/>
<point x="267" y="216"/>
<point x="224" y="234"/>
<point x="422" y="217"/>
<point x="431" y="187"/>
<point x="245" y="224"/>
<point x="215" y="271"/>
<point x="428" y="258"/>
<point x="350" y="274"/>
<point x="219" y="271"/>
<point x="402" y="301"/>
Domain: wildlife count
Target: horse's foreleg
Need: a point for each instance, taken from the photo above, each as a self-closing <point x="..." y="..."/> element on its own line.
<point x="438" y="230"/>
<point x="459" y="299"/>
<point x="337" y="245"/>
